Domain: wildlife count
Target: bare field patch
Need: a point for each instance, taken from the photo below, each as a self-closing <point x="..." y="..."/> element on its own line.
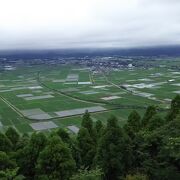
<point x="79" y="111"/>
<point x="38" y="97"/>
<point x="69" y="90"/>
<point x="35" y="87"/>
<point x="89" y="92"/>
<point x="110" y="98"/>
<point x="36" y="114"/>
<point x="24" y="95"/>
<point x="84" y="83"/>
<point x="43" y="125"/>
<point x="58" y="81"/>
<point x="72" y="77"/>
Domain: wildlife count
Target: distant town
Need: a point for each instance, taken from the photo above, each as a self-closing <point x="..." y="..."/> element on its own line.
<point x="94" y="63"/>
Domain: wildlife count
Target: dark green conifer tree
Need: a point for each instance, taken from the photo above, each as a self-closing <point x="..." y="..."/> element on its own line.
<point x="150" y="112"/>
<point x="175" y="108"/>
<point x="86" y="146"/>
<point x="27" y="157"/>
<point x="5" y="143"/>
<point x="111" y="151"/>
<point x="133" y="124"/>
<point x="55" y="161"/>
<point x="13" y="136"/>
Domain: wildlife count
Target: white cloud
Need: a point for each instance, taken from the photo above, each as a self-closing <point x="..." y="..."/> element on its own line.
<point x="88" y="23"/>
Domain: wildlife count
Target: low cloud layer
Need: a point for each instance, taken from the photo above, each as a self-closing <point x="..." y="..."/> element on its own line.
<point x="88" y="23"/>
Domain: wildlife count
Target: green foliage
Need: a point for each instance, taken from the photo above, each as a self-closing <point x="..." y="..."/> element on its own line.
<point x="27" y="157"/>
<point x="172" y="150"/>
<point x="86" y="146"/>
<point x="157" y="151"/>
<point x="95" y="174"/>
<point x="110" y="150"/>
<point x="11" y="174"/>
<point x="23" y="141"/>
<point x="64" y="135"/>
<point x="175" y="104"/>
<point x="5" y="162"/>
<point x="13" y="136"/>
<point x="56" y="161"/>
<point x="136" y="177"/>
<point x="5" y="143"/>
<point x="88" y="123"/>
<point x="75" y="152"/>
<point x="150" y="112"/>
<point x="99" y="127"/>
<point x="175" y="108"/>
<point x="133" y="124"/>
<point x="134" y="121"/>
<point x="155" y="122"/>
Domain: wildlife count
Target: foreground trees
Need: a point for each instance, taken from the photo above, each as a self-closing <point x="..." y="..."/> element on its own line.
<point x="27" y="157"/>
<point x="86" y="147"/>
<point x="143" y="149"/>
<point x="55" y="161"/>
<point x="175" y="108"/>
<point x="111" y="150"/>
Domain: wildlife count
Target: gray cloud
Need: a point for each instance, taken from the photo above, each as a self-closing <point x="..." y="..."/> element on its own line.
<point x="95" y="23"/>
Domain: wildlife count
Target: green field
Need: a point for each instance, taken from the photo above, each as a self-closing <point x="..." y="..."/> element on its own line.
<point x="52" y="89"/>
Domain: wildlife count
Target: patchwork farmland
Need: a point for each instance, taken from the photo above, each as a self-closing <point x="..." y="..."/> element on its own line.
<point x="43" y="97"/>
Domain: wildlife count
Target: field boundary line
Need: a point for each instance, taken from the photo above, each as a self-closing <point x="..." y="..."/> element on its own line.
<point x="131" y="92"/>
<point x="12" y="106"/>
<point x="66" y="95"/>
<point x="53" y="118"/>
<point x="91" y="78"/>
<point x="119" y="106"/>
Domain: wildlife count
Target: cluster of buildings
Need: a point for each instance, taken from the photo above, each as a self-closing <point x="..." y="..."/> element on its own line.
<point x="93" y="62"/>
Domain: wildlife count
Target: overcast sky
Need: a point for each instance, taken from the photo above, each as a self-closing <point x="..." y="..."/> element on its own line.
<point x="30" y="24"/>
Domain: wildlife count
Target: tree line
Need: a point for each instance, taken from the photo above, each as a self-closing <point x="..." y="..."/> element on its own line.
<point x="145" y="148"/>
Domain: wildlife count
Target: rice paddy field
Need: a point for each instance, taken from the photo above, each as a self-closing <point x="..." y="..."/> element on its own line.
<point x="46" y="97"/>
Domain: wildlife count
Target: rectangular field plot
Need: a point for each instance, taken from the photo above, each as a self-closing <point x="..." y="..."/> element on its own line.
<point x="84" y="83"/>
<point x="101" y="86"/>
<point x="70" y="89"/>
<point x="58" y="80"/>
<point x="143" y="85"/>
<point x="24" y="95"/>
<point x="110" y="98"/>
<point x="89" y="92"/>
<point x="143" y="94"/>
<point x="118" y="93"/>
<point x="40" y="116"/>
<point x="84" y="77"/>
<point x="38" y="97"/>
<point x="79" y="111"/>
<point x="35" y="87"/>
<point x="70" y="83"/>
<point x="5" y="90"/>
<point x="43" y="125"/>
<point x="177" y="92"/>
<point x="72" y="77"/>
<point x="37" y="114"/>
<point x="177" y="84"/>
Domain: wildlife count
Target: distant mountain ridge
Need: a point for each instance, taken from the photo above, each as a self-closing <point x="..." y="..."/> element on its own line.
<point x="48" y="53"/>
